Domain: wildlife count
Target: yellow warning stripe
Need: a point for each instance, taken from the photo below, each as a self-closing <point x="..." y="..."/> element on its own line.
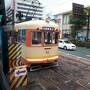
<point x="17" y="81"/>
<point x="14" y="63"/>
<point x="25" y="82"/>
<point x="13" y="49"/>
<point x="11" y="46"/>
<point x="14" y="82"/>
<point x="11" y="74"/>
<point x="21" y="81"/>
<point x="16" y="55"/>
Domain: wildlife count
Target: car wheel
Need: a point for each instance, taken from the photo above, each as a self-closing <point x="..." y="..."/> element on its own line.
<point x="65" y="47"/>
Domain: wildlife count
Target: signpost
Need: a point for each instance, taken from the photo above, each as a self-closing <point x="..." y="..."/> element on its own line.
<point x="78" y="10"/>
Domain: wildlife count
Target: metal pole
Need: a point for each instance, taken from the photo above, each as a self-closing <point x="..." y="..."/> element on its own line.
<point x="87" y="28"/>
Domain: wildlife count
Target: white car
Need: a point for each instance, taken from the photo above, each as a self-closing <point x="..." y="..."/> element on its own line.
<point x="66" y="44"/>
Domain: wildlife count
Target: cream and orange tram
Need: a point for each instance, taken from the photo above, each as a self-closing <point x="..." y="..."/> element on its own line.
<point x="39" y="40"/>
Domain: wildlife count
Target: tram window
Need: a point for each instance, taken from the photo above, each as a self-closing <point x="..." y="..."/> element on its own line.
<point x="18" y="37"/>
<point x="36" y="37"/>
<point x="50" y="37"/>
<point x="47" y="37"/>
<point x="23" y="36"/>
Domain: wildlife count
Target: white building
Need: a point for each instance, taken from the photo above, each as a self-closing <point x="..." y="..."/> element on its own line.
<point x="65" y="27"/>
<point x="28" y="8"/>
<point x="58" y="19"/>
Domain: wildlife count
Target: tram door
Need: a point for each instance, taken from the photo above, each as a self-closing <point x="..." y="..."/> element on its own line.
<point x="50" y="41"/>
<point x="47" y="42"/>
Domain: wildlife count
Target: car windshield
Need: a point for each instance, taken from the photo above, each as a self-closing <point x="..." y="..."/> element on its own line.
<point x="67" y="41"/>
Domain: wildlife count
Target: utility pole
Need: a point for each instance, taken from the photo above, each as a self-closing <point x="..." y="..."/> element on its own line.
<point x="88" y="17"/>
<point x="4" y="38"/>
<point x="13" y="22"/>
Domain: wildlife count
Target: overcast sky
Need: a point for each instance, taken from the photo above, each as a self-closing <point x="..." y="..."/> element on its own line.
<point x="58" y="6"/>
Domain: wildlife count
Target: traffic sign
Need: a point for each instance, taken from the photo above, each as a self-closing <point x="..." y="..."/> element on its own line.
<point x="78" y="10"/>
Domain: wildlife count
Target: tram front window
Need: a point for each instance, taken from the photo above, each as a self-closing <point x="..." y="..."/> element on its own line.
<point x="47" y="38"/>
<point x="36" y="37"/>
<point x="50" y="37"/>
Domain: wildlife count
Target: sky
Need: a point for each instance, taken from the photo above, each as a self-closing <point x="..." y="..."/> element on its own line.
<point x="58" y="6"/>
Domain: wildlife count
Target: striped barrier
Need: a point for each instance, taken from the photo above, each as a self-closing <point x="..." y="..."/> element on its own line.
<point x="17" y="71"/>
<point x="14" y="51"/>
<point x="14" y="55"/>
<point x="18" y="77"/>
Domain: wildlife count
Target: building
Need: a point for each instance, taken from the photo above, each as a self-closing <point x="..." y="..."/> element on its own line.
<point x="65" y="27"/>
<point x="58" y="19"/>
<point x="24" y="10"/>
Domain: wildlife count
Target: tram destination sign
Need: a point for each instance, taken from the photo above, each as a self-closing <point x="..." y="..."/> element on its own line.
<point x="78" y="10"/>
<point x="48" y="28"/>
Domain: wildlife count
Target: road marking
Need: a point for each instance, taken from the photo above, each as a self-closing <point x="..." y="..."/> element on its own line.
<point x="88" y="55"/>
<point x="74" y="55"/>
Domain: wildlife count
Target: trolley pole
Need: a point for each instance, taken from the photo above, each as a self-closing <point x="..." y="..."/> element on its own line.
<point x="13" y="22"/>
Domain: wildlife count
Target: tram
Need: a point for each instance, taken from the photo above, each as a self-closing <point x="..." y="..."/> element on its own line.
<point x="39" y="41"/>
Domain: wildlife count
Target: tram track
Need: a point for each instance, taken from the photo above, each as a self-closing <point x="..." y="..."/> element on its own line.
<point x="70" y="80"/>
<point x="67" y="75"/>
<point x="58" y="80"/>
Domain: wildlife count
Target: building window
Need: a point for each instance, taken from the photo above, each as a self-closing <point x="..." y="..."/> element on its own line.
<point x="36" y="37"/>
<point x="29" y="5"/>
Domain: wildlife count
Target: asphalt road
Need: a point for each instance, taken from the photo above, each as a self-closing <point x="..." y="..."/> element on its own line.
<point x="68" y="75"/>
<point x="79" y="52"/>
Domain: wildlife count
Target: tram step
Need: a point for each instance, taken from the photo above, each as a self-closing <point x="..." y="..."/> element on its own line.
<point x="43" y="66"/>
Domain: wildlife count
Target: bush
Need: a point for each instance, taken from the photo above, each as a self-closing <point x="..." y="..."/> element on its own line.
<point x="87" y="44"/>
<point x="81" y="43"/>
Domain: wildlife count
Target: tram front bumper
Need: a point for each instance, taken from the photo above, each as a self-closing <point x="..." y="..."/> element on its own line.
<point x="39" y="60"/>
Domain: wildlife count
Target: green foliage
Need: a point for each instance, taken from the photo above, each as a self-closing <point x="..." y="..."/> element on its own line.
<point x="87" y="44"/>
<point x="77" y="21"/>
<point x="77" y="24"/>
<point x="87" y="10"/>
<point x="81" y="43"/>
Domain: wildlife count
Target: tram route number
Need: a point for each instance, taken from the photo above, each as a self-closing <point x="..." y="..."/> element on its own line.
<point x="20" y="72"/>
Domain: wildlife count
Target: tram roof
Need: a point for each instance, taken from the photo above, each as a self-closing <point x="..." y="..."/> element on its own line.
<point x="34" y="24"/>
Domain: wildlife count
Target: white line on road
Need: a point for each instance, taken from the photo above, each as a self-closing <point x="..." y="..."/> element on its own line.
<point x="74" y="55"/>
<point x="88" y="55"/>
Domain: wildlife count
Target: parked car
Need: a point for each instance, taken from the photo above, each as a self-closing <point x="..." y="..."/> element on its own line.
<point x="66" y="44"/>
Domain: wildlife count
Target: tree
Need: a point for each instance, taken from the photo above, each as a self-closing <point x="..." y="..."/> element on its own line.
<point x="77" y="23"/>
<point x="87" y="10"/>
